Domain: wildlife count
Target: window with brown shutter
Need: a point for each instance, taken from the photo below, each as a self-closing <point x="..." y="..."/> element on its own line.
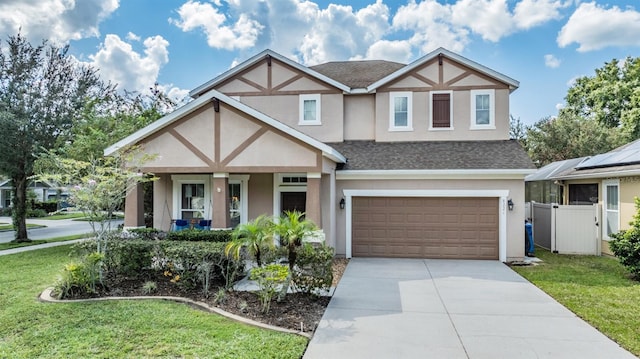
<point x="441" y="108"/>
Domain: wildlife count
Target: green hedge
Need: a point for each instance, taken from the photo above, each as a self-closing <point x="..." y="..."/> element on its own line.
<point x="195" y="235"/>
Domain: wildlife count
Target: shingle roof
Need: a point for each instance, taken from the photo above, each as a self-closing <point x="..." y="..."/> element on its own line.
<point x="371" y="155"/>
<point x="357" y="74"/>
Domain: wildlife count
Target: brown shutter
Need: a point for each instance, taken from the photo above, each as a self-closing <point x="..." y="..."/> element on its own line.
<point x="441" y="110"/>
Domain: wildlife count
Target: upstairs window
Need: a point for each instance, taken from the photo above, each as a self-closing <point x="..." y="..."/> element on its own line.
<point x="400" y="117"/>
<point x="482" y="109"/>
<point x="441" y="110"/>
<point x="310" y="110"/>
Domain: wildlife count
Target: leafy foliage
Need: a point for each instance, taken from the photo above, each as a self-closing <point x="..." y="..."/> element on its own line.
<point x="568" y="136"/>
<point x="611" y="97"/>
<point x="256" y="236"/>
<point x="43" y="91"/>
<point x="270" y="279"/>
<point x="291" y="228"/>
<point x="313" y="271"/>
<point x="195" y="235"/>
<point x="626" y="244"/>
<point x="80" y="277"/>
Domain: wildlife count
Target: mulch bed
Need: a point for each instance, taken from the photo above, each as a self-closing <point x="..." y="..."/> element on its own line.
<point x="298" y="311"/>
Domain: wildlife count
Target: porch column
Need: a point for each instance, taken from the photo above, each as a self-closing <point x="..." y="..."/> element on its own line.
<point x="220" y="194"/>
<point x="312" y="205"/>
<point x="134" y="208"/>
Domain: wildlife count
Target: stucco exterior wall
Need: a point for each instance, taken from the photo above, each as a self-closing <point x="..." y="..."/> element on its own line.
<point x="461" y="131"/>
<point x="260" y="195"/>
<point x="515" y="218"/>
<point x="359" y="117"/>
<point x="285" y="108"/>
<point x="162" y="202"/>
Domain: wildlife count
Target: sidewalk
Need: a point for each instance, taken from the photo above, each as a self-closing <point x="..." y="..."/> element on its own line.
<point x="38" y="246"/>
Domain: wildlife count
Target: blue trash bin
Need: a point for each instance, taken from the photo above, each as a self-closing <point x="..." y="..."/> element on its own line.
<point x="529" y="248"/>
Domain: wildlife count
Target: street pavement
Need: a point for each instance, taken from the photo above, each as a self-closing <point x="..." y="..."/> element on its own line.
<point x="54" y="228"/>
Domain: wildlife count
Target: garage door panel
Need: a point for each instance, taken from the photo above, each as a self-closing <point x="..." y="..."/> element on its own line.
<point x="425" y="227"/>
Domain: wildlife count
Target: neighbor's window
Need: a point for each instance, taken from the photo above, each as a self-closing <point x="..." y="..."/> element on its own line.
<point x="583" y="193"/>
<point x="309" y="110"/>
<point x="441" y="110"/>
<point x="400" y="118"/>
<point x="611" y="207"/>
<point x="482" y="109"/>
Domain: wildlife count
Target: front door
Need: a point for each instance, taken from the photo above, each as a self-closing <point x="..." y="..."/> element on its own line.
<point x="293" y="201"/>
<point x="611" y="210"/>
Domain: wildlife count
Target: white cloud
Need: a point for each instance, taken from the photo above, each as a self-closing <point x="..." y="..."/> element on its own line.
<point x="220" y="34"/>
<point x="398" y="51"/>
<point x="56" y="20"/>
<point x="490" y="19"/>
<point x="560" y="106"/>
<point x="551" y="61"/>
<point x="594" y="27"/>
<point x="121" y="64"/>
<point x="530" y="13"/>
<point x="133" y="37"/>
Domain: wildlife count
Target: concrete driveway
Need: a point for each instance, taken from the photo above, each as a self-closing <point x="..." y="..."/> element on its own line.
<point x="412" y="308"/>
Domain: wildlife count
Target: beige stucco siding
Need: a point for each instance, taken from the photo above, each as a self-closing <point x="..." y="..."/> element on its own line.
<point x="629" y="189"/>
<point x="461" y="131"/>
<point x="285" y="108"/>
<point x="273" y="150"/>
<point x="359" y="117"/>
<point x="162" y="202"/>
<point x="260" y="195"/>
<point x="515" y="218"/>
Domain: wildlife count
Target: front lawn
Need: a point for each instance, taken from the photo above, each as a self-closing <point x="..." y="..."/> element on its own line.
<point x="117" y="329"/>
<point x="597" y="289"/>
<point x="11" y="245"/>
<point x="9" y="226"/>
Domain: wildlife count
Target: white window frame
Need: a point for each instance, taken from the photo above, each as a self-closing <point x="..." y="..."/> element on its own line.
<point x="492" y="110"/>
<point x="392" y="112"/>
<point x="317" y="99"/>
<point x="605" y="211"/>
<point x="243" y="181"/>
<point x="431" y="128"/>
<point x="178" y="181"/>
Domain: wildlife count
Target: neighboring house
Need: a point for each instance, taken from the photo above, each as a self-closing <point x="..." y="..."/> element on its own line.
<point x="542" y="186"/>
<point x="44" y="191"/>
<point x="611" y="180"/>
<point x="388" y="159"/>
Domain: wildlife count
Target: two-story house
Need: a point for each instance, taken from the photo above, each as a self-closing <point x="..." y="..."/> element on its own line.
<point x="388" y="159"/>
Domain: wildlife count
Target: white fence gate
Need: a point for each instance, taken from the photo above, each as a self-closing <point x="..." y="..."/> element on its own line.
<point x="566" y="229"/>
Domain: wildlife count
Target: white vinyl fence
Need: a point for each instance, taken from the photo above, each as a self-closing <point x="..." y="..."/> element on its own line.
<point x="566" y="229"/>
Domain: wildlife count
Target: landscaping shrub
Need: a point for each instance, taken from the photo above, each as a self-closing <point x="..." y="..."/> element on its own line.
<point x="47" y="207"/>
<point x="147" y="233"/>
<point x="80" y="277"/>
<point x="313" y="270"/>
<point x="626" y="244"/>
<point x="36" y="213"/>
<point x="270" y="279"/>
<point x="195" y="235"/>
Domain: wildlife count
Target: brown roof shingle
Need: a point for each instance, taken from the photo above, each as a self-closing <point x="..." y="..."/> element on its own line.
<point x="371" y="155"/>
<point x="357" y="74"/>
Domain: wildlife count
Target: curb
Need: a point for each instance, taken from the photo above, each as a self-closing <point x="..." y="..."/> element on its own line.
<point x="45" y="296"/>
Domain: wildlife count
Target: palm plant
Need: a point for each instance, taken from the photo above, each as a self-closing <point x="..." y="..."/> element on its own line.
<point x="256" y="236"/>
<point x="292" y="228"/>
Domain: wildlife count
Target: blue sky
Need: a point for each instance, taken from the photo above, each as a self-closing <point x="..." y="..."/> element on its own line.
<point x="544" y="44"/>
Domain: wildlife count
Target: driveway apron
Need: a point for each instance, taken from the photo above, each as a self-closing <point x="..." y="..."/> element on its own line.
<point x="414" y="308"/>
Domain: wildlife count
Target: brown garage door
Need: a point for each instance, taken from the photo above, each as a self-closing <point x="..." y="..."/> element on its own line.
<point x="425" y="227"/>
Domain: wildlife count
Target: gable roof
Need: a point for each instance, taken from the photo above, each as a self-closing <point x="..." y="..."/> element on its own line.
<point x="206" y="98"/>
<point x="200" y="90"/>
<point x="550" y="171"/>
<point x="358" y="74"/>
<point x="435" y="155"/>
<point x="513" y="84"/>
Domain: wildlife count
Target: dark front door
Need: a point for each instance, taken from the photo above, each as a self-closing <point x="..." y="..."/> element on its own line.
<point x="293" y="201"/>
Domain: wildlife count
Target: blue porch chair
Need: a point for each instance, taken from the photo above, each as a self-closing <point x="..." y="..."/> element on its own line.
<point x="203" y="225"/>
<point x="180" y="224"/>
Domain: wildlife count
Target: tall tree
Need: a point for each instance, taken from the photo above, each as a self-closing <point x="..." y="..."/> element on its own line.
<point x="42" y="92"/>
<point x="611" y="96"/>
<point x="569" y="136"/>
<point x="517" y="130"/>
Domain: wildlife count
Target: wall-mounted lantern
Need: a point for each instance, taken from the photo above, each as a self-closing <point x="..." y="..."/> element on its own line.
<point x="342" y="203"/>
<point x="510" y="204"/>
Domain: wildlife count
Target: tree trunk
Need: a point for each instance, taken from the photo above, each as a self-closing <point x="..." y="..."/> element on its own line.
<point x="20" y="208"/>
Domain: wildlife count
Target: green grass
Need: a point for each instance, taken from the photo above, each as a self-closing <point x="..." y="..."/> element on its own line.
<point x="11" y="245"/>
<point x="70" y="215"/>
<point x="597" y="289"/>
<point x="117" y="329"/>
<point x="9" y="226"/>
